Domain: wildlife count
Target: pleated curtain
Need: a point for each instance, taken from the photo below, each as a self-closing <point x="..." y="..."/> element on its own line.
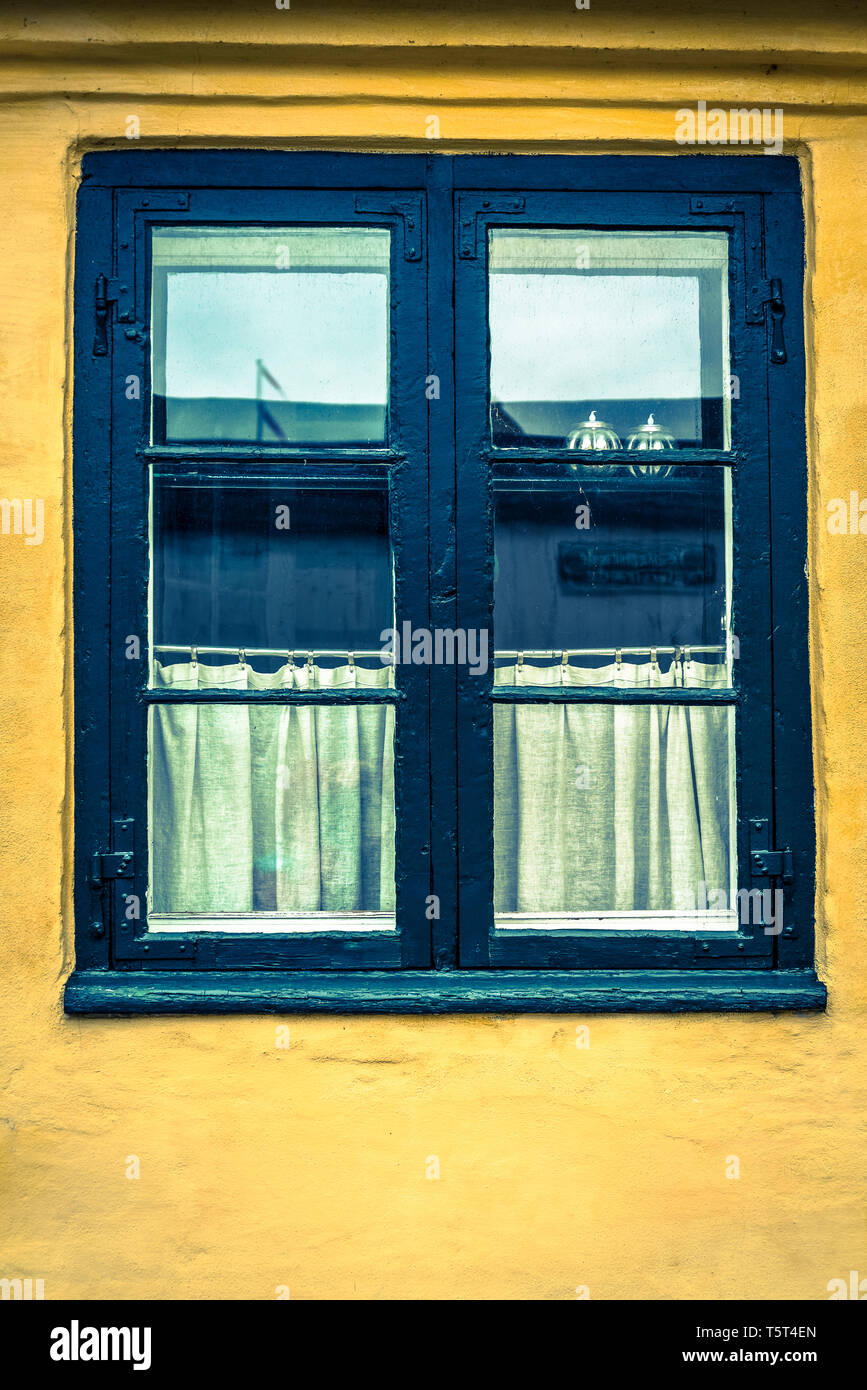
<point x="282" y="808"/>
<point x="618" y="807"/>
<point x="271" y="808"/>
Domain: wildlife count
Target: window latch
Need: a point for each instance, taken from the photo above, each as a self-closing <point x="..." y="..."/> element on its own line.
<point x="770" y="292"/>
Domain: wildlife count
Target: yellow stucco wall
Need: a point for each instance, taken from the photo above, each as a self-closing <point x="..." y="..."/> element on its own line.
<point x="560" y="1167"/>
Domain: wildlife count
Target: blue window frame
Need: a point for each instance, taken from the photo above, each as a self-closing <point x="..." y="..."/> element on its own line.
<point x="434" y="308"/>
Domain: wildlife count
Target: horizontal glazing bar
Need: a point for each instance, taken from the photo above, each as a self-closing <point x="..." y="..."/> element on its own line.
<point x="216" y="695"/>
<point x="611" y="695"/>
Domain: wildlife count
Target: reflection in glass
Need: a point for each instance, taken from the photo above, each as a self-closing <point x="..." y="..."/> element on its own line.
<point x="626" y="324"/>
<point x="615" y="562"/>
<point x="269" y="568"/>
<point x="284" y="811"/>
<point x="602" y="810"/>
<point x="270" y="335"/>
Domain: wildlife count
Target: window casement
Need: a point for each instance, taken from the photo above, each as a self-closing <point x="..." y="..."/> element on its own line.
<point x="439" y="584"/>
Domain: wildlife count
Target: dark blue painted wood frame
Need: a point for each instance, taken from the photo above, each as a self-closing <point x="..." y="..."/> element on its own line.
<point x="355" y="197"/>
<point x="483" y="468"/>
<point x="454" y="962"/>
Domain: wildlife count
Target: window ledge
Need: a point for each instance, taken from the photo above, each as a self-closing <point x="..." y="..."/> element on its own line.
<point x="440" y="991"/>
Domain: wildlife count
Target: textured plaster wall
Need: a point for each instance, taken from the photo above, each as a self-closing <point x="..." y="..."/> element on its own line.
<point x="307" y="1167"/>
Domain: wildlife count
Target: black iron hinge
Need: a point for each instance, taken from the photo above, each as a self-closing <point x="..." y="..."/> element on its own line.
<point x="766" y="862"/>
<point x="118" y="864"/>
<point x="759" y="910"/>
<point x="121" y="907"/>
<point x="108" y="291"/>
<point x="772" y="863"/>
<point x="106" y="866"/>
<point x="760" y="293"/>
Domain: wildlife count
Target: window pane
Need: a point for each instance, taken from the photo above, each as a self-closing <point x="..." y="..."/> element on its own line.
<point x="272" y="336"/>
<point x="269" y="569"/>
<point x="615" y="325"/>
<point x="616" y="812"/>
<point x="286" y="813"/>
<point x="616" y="560"/>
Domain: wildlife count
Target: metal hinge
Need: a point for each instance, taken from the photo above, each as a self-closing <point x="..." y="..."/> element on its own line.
<point x="758" y="909"/>
<point x="764" y="861"/>
<point x="760" y="293"/>
<point x="129" y="943"/>
<point x="106" y="867"/>
<point x="772" y="863"/>
<point x="119" y="864"/>
<point x="108" y="291"/>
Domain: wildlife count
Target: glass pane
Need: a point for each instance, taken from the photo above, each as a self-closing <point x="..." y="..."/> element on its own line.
<point x="272" y="818"/>
<point x="615" y="816"/>
<point x="270" y="335"/>
<point x="621" y="560"/>
<point x="604" y="329"/>
<point x="268" y="569"/>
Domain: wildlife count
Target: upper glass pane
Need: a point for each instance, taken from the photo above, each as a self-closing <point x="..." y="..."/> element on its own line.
<point x="270" y="336"/>
<point x="593" y="332"/>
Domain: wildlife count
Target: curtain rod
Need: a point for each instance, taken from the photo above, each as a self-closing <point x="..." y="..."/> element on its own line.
<point x="387" y="656"/>
<point x="610" y="651"/>
<point x="266" y="651"/>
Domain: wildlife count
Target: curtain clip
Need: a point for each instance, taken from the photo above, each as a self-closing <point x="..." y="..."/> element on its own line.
<point x="687" y="656"/>
<point x="352" y="661"/>
<point x="290" y="659"/>
<point x="242" y="657"/>
<point x="194" y="656"/>
<point x="310" y="666"/>
<point x="520" y="661"/>
<point x="653" y="657"/>
<point x="564" y="660"/>
<point x="618" y="657"/>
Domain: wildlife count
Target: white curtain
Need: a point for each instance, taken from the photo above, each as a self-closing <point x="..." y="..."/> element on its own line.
<point x="271" y="808"/>
<point x="601" y="808"/>
<point x="290" y="808"/>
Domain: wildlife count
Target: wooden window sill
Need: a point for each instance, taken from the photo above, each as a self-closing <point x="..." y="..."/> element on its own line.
<point x="440" y="991"/>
